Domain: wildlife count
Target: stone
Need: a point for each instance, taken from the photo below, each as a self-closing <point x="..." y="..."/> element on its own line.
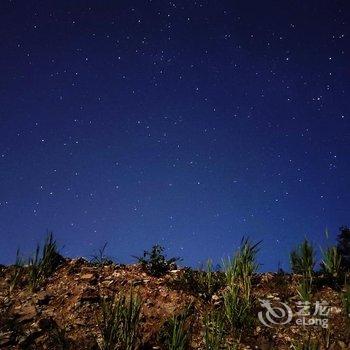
<point x="87" y="277"/>
<point x="6" y="339"/>
<point x="43" y="298"/>
<point x="27" y="313"/>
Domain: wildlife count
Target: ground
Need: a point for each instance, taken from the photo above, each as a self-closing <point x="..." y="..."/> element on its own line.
<point x="63" y="312"/>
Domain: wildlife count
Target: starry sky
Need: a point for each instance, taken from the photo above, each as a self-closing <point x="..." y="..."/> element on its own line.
<point x="184" y="123"/>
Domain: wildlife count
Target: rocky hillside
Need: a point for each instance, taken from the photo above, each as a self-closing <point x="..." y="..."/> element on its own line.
<point x="181" y="309"/>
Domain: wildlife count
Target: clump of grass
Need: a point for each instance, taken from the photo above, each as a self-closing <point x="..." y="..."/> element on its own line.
<point x="308" y="344"/>
<point x="100" y="258"/>
<point x="238" y="300"/>
<point x="303" y="262"/>
<point x="119" y="322"/>
<point x="304" y="288"/>
<point x="242" y="267"/>
<point x="176" y="333"/>
<point x="155" y="262"/>
<point x="303" y="259"/>
<point x="345" y="296"/>
<point x="214" y="331"/>
<point x="207" y="281"/>
<point x="58" y="337"/>
<point x="17" y="272"/>
<point x="204" y="282"/>
<point x="44" y="262"/>
<point x="346" y="300"/>
<point x="331" y="263"/>
<point x="237" y="309"/>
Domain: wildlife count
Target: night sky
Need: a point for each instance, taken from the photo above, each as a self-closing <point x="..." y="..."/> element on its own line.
<point x="184" y="123"/>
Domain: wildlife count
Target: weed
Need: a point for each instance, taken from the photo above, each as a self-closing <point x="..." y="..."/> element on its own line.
<point x="209" y="281"/>
<point x="242" y="267"/>
<point x="214" y="331"/>
<point x="204" y="282"/>
<point x="44" y="262"/>
<point x="176" y="333"/>
<point x="58" y="337"/>
<point x="303" y="259"/>
<point x="99" y="258"/>
<point x="17" y="272"/>
<point x="345" y="296"/>
<point x="155" y="262"/>
<point x="304" y="288"/>
<point x="308" y="344"/>
<point x="237" y="298"/>
<point x="238" y="301"/>
<point x="119" y="322"/>
<point x="237" y="309"/>
<point x="331" y="263"/>
<point x="303" y="262"/>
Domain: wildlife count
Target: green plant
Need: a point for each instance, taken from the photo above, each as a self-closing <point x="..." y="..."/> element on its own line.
<point x="346" y="300"/>
<point x="207" y="283"/>
<point x="304" y="288"/>
<point x="119" y="322"/>
<point x="155" y="262"/>
<point x="176" y="332"/>
<point x="303" y="259"/>
<point x="240" y="270"/>
<point x="203" y="282"/>
<point x="17" y="272"/>
<point x="303" y="262"/>
<point x="237" y="309"/>
<point x="308" y="344"/>
<point x="344" y="247"/>
<point x="44" y="262"/>
<point x="331" y="263"/>
<point x="99" y="258"/>
<point x="58" y="337"/>
<point x="214" y="331"/>
<point x="345" y="296"/>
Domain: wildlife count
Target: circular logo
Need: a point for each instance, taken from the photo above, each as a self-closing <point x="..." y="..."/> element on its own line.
<point x="274" y="315"/>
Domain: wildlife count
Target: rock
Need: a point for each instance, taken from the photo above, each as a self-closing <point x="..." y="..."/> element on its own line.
<point x="27" y="313"/>
<point x="46" y="323"/>
<point x="107" y="283"/>
<point x="6" y="339"/>
<point x="90" y="295"/>
<point x="87" y="276"/>
<point x="43" y="298"/>
<point x="336" y="310"/>
<point x="342" y="344"/>
<point x="28" y="340"/>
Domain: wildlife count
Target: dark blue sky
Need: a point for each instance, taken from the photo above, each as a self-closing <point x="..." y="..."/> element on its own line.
<point x="188" y="123"/>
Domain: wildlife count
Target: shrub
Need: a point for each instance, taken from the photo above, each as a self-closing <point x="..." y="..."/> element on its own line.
<point x="155" y="262"/>
<point x="119" y="322"/>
